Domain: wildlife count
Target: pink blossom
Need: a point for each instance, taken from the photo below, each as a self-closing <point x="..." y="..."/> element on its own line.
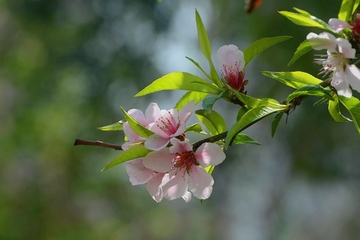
<point x="184" y="169"/>
<point x="338" y="25"/>
<point x="139" y="174"/>
<point x="231" y="62"/>
<point x="168" y="124"/>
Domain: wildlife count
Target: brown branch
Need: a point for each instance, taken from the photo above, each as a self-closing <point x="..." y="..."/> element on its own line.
<point x="96" y="143"/>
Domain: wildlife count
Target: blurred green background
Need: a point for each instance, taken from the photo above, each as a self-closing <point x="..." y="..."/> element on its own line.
<point x="66" y="67"/>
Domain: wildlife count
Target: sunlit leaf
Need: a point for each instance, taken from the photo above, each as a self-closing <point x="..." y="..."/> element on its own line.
<point x="304" y="18"/>
<point x="179" y="81"/>
<point x="135" y="126"/>
<point x="347" y="9"/>
<point x="196" y="127"/>
<point x="293" y="79"/>
<point x="210" y="169"/>
<point x="261" y="45"/>
<point x="199" y="67"/>
<point x="130" y="154"/>
<point x="353" y="106"/>
<point x="113" y="127"/>
<point x="244" y="139"/>
<point x="249" y="118"/>
<point x="206" y="48"/>
<point x="303" y="48"/>
<point x="196" y="97"/>
<point x="334" y="110"/>
<point x="275" y="123"/>
<point x="213" y="121"/>
<point x="310" y="90"/>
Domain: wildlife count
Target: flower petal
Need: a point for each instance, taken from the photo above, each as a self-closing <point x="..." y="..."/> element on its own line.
<point x="159" y="161"/>
<point x="137" y="172"/>
<point x="175" y="184"/>
<point x="152" y="112"/>
<point x="154" y="187"/>
<point x="180" y="146"/>
<point x="322" y="41"/>
<point x="200" y="183"/>
<point x="340" y="84"/>
<point x="353" y="76"/>
<point x="209" y="154"/>
<point x="338" y="25"/>
<point x="156" y="142"/>
<point x="186" y="112"/>
<point x="345" y="48"/>
<point x="187" y="196"/>
<point x="230" y="56"/>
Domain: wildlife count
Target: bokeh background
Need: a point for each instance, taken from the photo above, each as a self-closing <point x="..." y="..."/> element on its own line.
<point x="67" y="65"/>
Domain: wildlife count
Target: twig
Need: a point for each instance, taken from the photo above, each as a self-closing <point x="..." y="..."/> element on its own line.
<point x="96" y="143"/>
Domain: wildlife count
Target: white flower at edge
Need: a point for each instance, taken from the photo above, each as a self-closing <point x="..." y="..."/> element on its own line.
<point x="339" y="53"/>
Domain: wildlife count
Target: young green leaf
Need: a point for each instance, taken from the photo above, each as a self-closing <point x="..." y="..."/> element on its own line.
<point x="275" y="123"/>
<point x="347" y="9"/>
<point x="241" y="113"/>
<point x="334" y="110"/>
<point x="214" y="122"/>
<point x="244" y="139"/>
<point x="189" y="96"/>
<point x="196" y="127"/>
<point x="353" y="106"/>
<point x="304" y="18"/>
<point x="199" y="67"/>
<point x="256" y="102"/>
<point x="310" y="90"/>
<point x="293" y="79"/>
<point x="113" y="127"/>
<point x="135" y="126"/>
<point x="210" y="169"/>
<point x="179" y="81"/>
<point x="206" y="48"/>
<point x="130" y="154"/>
<point x="249" y="118"/>
<point x="303" y="48"/>
<point x="260" y="45"/>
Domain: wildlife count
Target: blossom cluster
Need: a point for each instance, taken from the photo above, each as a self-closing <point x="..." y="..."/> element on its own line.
<point x="339" y="54"/>
<point x="172" y="169"/>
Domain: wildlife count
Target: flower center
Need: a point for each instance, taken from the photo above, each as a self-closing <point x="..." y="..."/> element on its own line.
<point x="185" y="160"/>
<point x="168" y="124"/>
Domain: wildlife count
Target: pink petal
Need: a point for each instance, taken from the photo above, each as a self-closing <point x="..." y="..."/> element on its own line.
<point x="137" y="172"/>
<point x="159" y="161"/>
<point x="353" y="76"/>
<point x="152" y="112"/>
<point x="187" y="196"/>
<point x="154" y="187"/>
<point x="200" y="183"/>
<point x="230" y="56"/>
<point x="340" y="83"/>
<point x="322" y="41"/>
<point x="156" y="142"/>
<point x="338" y="25"/>
<point x="209" y="154"/>
<point x="186" y="112"/>
<point x="175" y="184"/>
<point x="180" y="146"/>
<point x="345" y="48"/>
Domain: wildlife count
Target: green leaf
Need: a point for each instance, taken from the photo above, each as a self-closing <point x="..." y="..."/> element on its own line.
<point x="113" y="127"/>
<point x="303" y="48"/>
<point x="353" y="106"/>
<point x="252" y="102"/>
<point x="135" y="126"/>
<point x="179" y="81"/>
<point x="130" y="154"/>
<point x="209" y="169"/>
<point x="249" y="118"/>
<point x="293" y="79"/>
<point x="196" y="127"/>
<point x="209" y="102"/>
<point x="196" y="97"/>
<point x="206" y="48"/>
<point x="241" y="113"/>
<point x="244" y="139"/>
<point x="334" y="110"/>
<point x="213" y="121"/>
<point x="347" y="9"/>
<point x="304" y="18"/>
<point x="310" y="90"/>
<point x="199" y="67"/>
<point x="261" y="45"/>
<point x="275" y="123"/>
